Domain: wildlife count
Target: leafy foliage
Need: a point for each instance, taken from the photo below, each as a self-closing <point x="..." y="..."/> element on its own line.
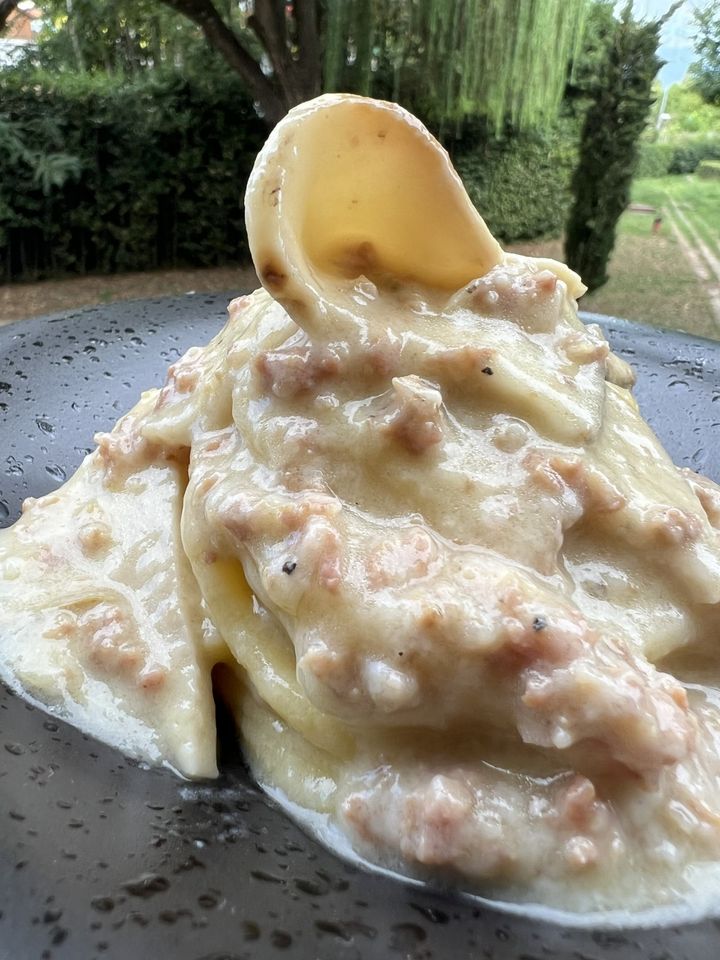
<point x="705" y="72"/>
<point x="120" y="37"/>
<point x="158" y="171"/>
<point x="521" y="184"/>
<point x="621" y="96"/>
<point x="654" y="160"/>
<point x="689" y="113"/>
<point x="689" y="153"/>
<point x="709" y="169"/>
<point x="691" y="134"/>
<point x="458" y="58"/>
<point x="682" y="155"/>
<point x="49" y="168"/>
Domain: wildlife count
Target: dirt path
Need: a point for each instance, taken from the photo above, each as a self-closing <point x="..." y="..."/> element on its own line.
<point x="703" y="262"/>
<point x="710" y="258"/>
<point x="21" y="300"/>
<point x="708" y="230"/>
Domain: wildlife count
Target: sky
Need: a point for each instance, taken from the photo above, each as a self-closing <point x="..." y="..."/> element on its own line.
<point x="677" y="43"/>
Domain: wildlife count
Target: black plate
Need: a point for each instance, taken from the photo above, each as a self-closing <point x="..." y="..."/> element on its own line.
<point x="102" y="858"/>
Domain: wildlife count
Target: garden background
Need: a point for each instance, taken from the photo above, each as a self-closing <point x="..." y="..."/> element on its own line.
<point x="128" y="129"/>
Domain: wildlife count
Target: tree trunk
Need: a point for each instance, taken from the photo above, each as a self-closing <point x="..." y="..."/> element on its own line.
<point x="296" y="67"/>
<point x="6" y="8"/>
<point x="74" y="37"/>
<point x="298" y="70"/>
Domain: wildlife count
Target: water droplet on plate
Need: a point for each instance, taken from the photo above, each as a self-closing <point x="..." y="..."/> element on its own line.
<point x="55" y="471"/>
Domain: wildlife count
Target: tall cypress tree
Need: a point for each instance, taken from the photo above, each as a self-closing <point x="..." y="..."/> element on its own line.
<point x="621" y="97"/>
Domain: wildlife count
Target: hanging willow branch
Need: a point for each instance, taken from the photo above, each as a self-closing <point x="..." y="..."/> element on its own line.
<point x="502" y="59"/>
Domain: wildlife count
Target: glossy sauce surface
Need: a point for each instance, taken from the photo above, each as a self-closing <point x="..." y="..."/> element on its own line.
<point x="456" y="584"/>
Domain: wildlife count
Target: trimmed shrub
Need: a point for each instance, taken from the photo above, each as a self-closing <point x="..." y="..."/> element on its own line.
<point x="681" y="155"/>
<point x="160" y="166"/>
<point x="521" y="186"/>
<point x="654" y="160"/>
<point x="689" y="153"/>
<point x="709" y="169"/>
<point x="151" y="173"/>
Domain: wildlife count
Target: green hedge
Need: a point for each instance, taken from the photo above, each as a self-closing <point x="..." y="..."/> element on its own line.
<point x="679" y="156"/>
<point x="709" y="169"/>
<point x="155" y="172"/>
<point x="690" y="153"/>
<point x="654" y="160"/>
<point x="521" y="185"/>
<point x="151" y="173"/>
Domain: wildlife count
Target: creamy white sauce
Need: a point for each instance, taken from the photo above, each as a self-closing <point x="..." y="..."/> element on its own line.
<point x="461" y="602"/>
<point x="701" y="904"/>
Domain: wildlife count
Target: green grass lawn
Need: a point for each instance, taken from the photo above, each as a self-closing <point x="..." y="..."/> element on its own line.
<point x="654" y="277"/>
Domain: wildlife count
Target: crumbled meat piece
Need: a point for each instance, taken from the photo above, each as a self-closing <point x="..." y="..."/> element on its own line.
<point x="672" y="526"/>
<point x="578" y="804"/>
<point x="434" y="817"/>
<point x="297" y="369"/>
<point x="125" y="450"/>
<point x="182" y="377"/>
<point x="295" y="514"/>
<point x="106" y="639"/>
<point x="597" y="493"/>
<point x="401" y="559"/>
<point x="545" y="282"/>
<point x="544" y="476"/>
<point x="415" y="417"/>
<point x="480" y="822"/>
<point x="246" y="517"/>
<point x="320" y="548"/>
<point x="382" y="356"/>
<point x="499" y="289"/>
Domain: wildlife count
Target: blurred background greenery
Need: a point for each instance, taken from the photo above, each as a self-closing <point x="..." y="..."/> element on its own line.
<point x="128" y="129"/>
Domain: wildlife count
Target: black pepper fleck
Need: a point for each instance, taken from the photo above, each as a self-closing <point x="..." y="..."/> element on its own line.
<point x="539" y="623"/>
<point x="289" y="566"/>
<point x="488" y="371"/>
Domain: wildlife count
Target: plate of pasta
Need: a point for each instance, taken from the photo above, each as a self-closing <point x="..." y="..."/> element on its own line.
<point x="401" y="531"/>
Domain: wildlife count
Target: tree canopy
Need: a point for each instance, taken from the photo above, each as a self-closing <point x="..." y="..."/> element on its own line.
<point x="505" y="60"/>
<point x="705" y="72"/>
<point x="496" y="58"/>
<point x="122" y="37"/>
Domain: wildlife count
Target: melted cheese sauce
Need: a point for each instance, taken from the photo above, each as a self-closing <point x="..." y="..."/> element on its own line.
<point x="463" y="602"/>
